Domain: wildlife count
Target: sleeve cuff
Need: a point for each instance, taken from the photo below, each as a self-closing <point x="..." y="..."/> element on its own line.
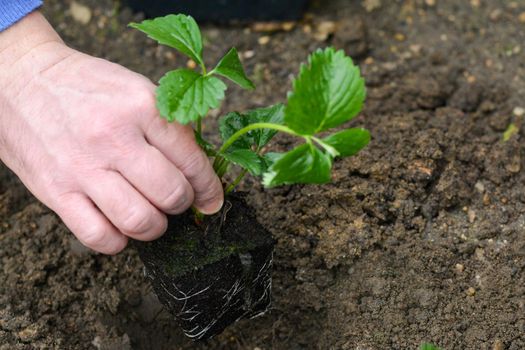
<point x="11" y="11"/>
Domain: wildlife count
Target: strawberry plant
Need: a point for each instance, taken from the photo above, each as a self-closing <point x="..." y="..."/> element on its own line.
<point x="213" y="271"/>
<point x="328" y="92"/>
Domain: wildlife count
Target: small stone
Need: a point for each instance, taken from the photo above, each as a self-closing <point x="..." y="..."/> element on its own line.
<point x="369" y="60"/>
<point x="518" y="111"/>
<point x="371" y="5"/>
<point x="271" y="27"/>
<point x="460" y="267"/>
<point x="521" y="17"/>
<point x="416" y="49"/>
<point x="471" y="215"/>
<point x="486" y="199"/>
<point x="264" y="40"/>
<point x="307" y="29"/>
<point x="498" y="345"/>
<point x="287" y="26"/>
<point x="479" y="187"/>
<point x="471" y="292"/>
<point x="495" y="14"/>
<point x="324" y="29"/>
<point x="248" y="54"/>
<point x="399" y="37"/>
<point x="430" y="2"/>
<point x="80" y="13"/>
<point x="191" y="64"/>
<point x="28" y="334"/>
<point x="474" y="3"/>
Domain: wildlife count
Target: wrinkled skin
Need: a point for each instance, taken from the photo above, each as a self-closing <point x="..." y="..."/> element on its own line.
<point x="84" y="136"/>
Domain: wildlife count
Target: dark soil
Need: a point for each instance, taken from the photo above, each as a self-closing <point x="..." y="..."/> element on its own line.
<point x="212" y="272"/>
<point x="419" y="238"/>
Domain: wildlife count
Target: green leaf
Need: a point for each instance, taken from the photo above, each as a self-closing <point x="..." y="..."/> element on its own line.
<point x="230" y="67"/>
<point x="233" y="122"/>
<point x="230" y="124"/>
<point x="512" y="129"/>
<point x="348" y="142"/>
<point x="185" y="95"/>
<point x="178" y="31"/>
<point x="271" y="157"/>
<point x="207" y="147"/>
<point x="328" y="92"/>
<point x="248" y="160"/>
<point x="428" y="346"/>
<point x="304" y="164"/>
<point x="273" y="114"/>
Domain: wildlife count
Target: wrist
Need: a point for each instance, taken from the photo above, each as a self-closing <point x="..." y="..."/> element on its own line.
<point x="26" y="49"/>
<point x="30" y="32"/>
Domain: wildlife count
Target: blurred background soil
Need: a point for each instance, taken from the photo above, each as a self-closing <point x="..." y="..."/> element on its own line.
<point x="421" y="237"/>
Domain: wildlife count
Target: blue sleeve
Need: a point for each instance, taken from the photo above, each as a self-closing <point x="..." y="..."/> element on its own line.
<point x="11" y="11"/>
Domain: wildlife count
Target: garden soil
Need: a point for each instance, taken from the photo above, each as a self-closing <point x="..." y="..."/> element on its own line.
<point x="421" y="237"/>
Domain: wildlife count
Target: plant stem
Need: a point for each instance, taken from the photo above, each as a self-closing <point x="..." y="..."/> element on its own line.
<point x="254" y="126"/>
<point x="199" y="217"/>
<point x="235" y="182"/>
<point x="203" y="68"/>
<point x="331" y="150"/>
<point x="199" y="126"/>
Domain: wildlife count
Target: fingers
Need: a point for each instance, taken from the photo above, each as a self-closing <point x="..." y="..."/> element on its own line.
<point x="124" y="206"/>
<point x="157" y="179"/>
<point x="177" y="143"/>
<point x="89" y="225"/>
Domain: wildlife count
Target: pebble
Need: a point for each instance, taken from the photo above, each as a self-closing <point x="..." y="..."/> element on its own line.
<point x="264" y="40"/>
<point x="80" y="13"/>
<point x="498" y="345"/>
<point x="248" y="54"/>
<point x="471" y="292"/>
<point x="495" y="14"/>
<point x="371" y="5"/>
<point x="460" y="267"/>
<point x="521" y="17"/>
<point x="474" y="3"/>
<point x="191" y="64"/>
<point x="270" y="27"/>
<point x="28" y="334"/>
<point x="471" y="216"/>
<point x="324" y="29"/>
<point x="399" y="37"/>
<point x="518" y="111"/>
<point x="430" y="2"/>
<point x="480" y="187"/>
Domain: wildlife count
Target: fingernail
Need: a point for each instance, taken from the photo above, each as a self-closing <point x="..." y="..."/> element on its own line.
<point x="212" y="209"/>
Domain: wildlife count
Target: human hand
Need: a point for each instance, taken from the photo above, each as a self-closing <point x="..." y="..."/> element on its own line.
<point x="84" y="136"/>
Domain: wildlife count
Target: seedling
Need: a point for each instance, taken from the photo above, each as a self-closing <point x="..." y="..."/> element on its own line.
<point x="212" y="271"/>
<point x="328" y="92"/>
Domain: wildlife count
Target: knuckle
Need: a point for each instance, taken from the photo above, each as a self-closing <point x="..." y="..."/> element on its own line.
<point x="212" y="189"/>
<point x="144" y="99"/>
<point x="174" y="199"/>
<point x="194" y="164"/>
<point x="94" y="236"/>
<point x="136" y="221"/>
<point x="100" y="128"/>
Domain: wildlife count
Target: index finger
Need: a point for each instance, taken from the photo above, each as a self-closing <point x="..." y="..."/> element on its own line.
<point x="177" y="143"/>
